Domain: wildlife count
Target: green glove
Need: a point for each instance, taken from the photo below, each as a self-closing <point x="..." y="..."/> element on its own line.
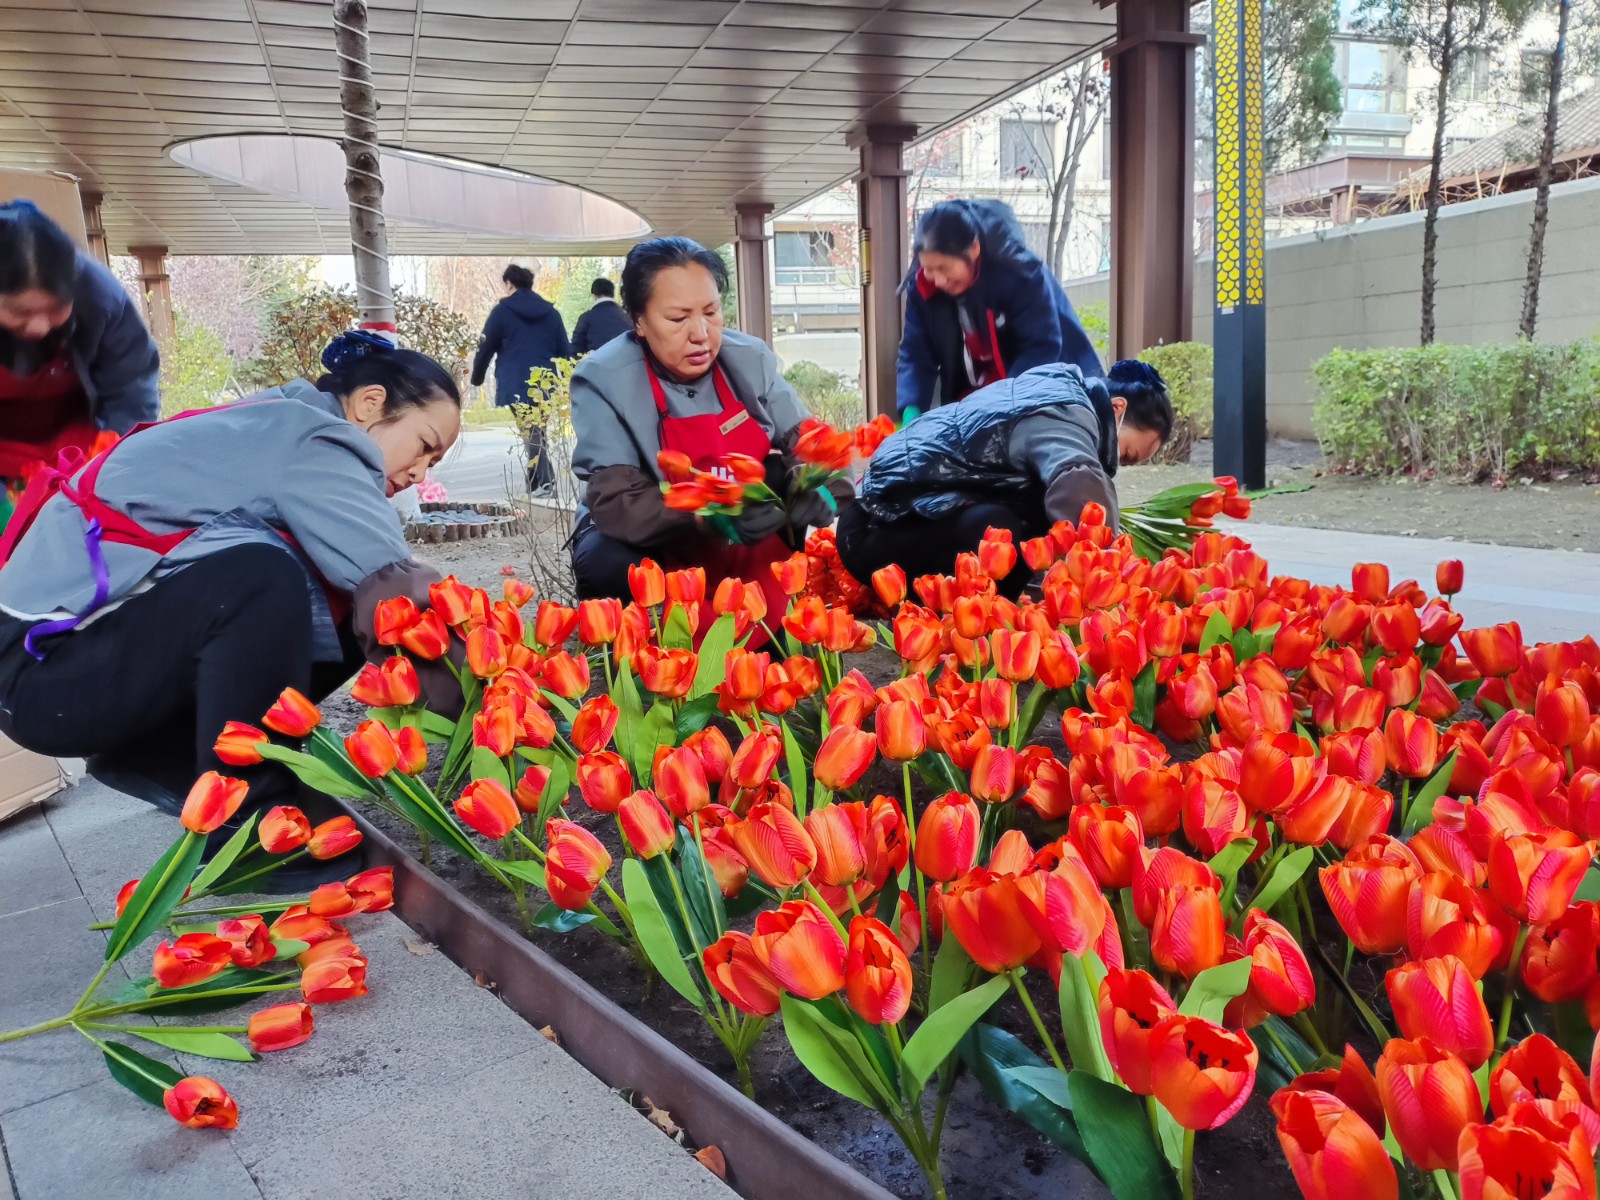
<point x="909" y="414"/>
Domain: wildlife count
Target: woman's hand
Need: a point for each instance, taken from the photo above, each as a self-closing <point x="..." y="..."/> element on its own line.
<point x="757" y="523"/>
<point x="811" y="509"/>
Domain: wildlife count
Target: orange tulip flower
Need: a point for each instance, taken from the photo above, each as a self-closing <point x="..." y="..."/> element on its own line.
<point x="574" y="865"/>
<point x="1438" y="998"/>
<point x="801" y="949"/>
<point x="495" y="729"/>
<point x="1109" y="838"/>
<point x="292" y="715"/>
<point x="947" y="837"/>
<point x="190" y="959"/>
<point x="648" y="583"/>
<point x="1357" y="754"/>
<point x="680" y="780"/>
<point x="1445" y="915"/>
<point x="1370" y="582"/>
<point x="487" y="807"/>
<point x="839" y="833"/>
<point x="249" y="944"/>
<point x="877" y="974"/>
<point x="595" y="723"/>
<point x="1332" y="1152"/>
<point x="1559" y="963"/>
<point x="988" y="915"/>
<point x="552" y="623"/>
<point x="530" y="789"/>
<point x="1429" y="1097"/>
<point x="740" y="977"/>
<point x="1396" y="627"/>
<point x="791" y="574"/>
<point x="331" y="900"/>
<point x="1366" y="812"/>
<point x="239" y="745"/>
<point x="394" y="684"/>
<point x="1058" y="661"/>
<point x="1351" y="1082"/>
<point x="1496" y="650"/>
<point x="647" y="825"/>
<point x="1016" y="654"/>
<point x="756" y="757"/>
<point x="372" y="749"/>
<point x="392" y="617"/>
<point x="1281" y="982"/>
<point x="1368" y="896"/>
<point x="775" y="844"/>
<point x="1131" y="1005"/>
<point x="200" y="1103"/>
<point x="427" y="637"/>
<point x="994" y="774"/>
<point x="283" y="829"/>
<point x="603" y="780"/>
<point x="1201" y="1073"/>
<point x="565" y="675"/>
<point x="1535" y="1069"/>
<point x="487" y="652"/>
<point x="890" y="585"/>
<point x="372" y="889"/>
<point x="334" y="979"/>
<point x="1186" y="933"/>
<point x="1505" y="1161"/>
<point x="211" y="802"/>
<point x="843" y="757"/>
<point x="1067" y="910"/>
<point x="1535" y="875"/>
<point x="902" y="731"/>
<point x="666" y="673"/>
<point x="281" y="1027"/>
<point x="1562" y="712"/>
<point x="452" y="600"/>
<point x="1412" y="744"/>
<point x="599" y="621"/>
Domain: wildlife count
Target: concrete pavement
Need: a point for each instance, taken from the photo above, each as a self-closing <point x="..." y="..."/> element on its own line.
<point x="428" y="1087"/>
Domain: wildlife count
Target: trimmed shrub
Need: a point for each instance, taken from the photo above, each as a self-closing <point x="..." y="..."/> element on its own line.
<point x="1186" y="367"/>
<point x="825" y="395"/>
<point x="1470" y="412"/>
<point x="1096" y="321"/>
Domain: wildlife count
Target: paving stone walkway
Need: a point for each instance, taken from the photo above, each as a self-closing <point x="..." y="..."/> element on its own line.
<point x="428" y="1087"/>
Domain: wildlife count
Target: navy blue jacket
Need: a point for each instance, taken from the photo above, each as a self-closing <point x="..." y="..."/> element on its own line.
<point x="1034" y="320"/>
<point x="600" y="322"/>
<point x="112" y="352"/>
<point x="523" y="331"/>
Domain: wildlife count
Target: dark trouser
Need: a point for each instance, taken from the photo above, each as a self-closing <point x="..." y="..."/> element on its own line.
<point x="600" y="564"/>
<point x="541" y="474"/>
<point x="154" y="680"/>
<point x="929" y="547"/>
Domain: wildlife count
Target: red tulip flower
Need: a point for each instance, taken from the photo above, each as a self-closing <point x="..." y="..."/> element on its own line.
<point x="334" y="979"/>
<point x="1368" y="896"/>
<point x="283" y="829"/>
<point x="575" y="864"/>
<point x="988" y="915"/>
<point x="947" y="837"/>
<point x="890" y="585"/>
<point x="1281" y="982"/>
<point x="839" y="833"/>
<point x="1560" y="961"/>
<point x="211" y="802"/>
<point x="1200" y="1072"/>
<point x="1535" y="875"/>
<point x="877" y="974"/>
<point x="1561" y="712"/>
<point x="1437" y="998"/>
<point x="1412" y="743"/>
<point x="200" y="1103"/>
<point x="595" y="723"/>
<point x="1494" y="651"/>
<point x="372" y="749"/>
<point x="843" y="757"/>
<point x="775" y="844"/>
<point x="646" y="824"/>
<point x="1449" y="576"/>
<point x="1132" y="1004"/>
<point x="1445" y="915"/>
<point x="487" y="807"/>
<point x="1505" y="1161"/>
<point x="801" y="949"/>
<point x="1351" y="1082"/>
<point x="1429" y="1097"/>
<point x="1332" y="1152"/>
<point x="192" y="958"/>
<point x="739" y="975"/>
<point x="249" y="943"/>
<point x="281" y="1027"/>
<point x="599" y="621"/>
<point x="239" y="745"/>
<point x="902" y="731"/>
<point x="292" y="715"/>
<point x="1535" y="1069"/>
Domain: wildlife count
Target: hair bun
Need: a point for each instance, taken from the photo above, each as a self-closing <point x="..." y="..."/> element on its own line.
<point x="351" y="345"/>
<point x="21" y="207"/>
<point x="1132" y="370"/>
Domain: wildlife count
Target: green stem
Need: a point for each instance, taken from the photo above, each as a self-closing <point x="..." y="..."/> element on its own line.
<point x="1267" y="868"/>
<point x="713" y="892"/>
<point x="1504" y="1025"/>
<point x="16" y="1035"/>
<point x="1308" y="1030"/>
<point x="166" y="874"/>
<point x="186" y="1029"/>
<point x="922" y="884"/>
<point x="233" y="884"/>
<point x="1187" y="1169"/>
<point x="1038" y="1022"/>
<point x="1441" y="1179"/>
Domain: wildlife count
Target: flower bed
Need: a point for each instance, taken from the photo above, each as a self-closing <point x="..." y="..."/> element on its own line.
<point x="1273" y="855"/>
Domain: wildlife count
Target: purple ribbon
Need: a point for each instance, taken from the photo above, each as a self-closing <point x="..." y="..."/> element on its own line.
<point x="102" y="590"/>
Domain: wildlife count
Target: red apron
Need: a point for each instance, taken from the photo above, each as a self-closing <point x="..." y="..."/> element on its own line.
<point x="41" y="415"/>
<point x="103" y="524"/>
<point x="706" y="440"/>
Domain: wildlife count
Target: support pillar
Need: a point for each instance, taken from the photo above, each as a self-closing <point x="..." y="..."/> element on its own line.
<point x="750" y="263"/>
<point x="884" y="254"/>
<point x="1240" y="333"/>
<point x="95" y="228"/>
<point x="156" y="287"/>
<point x="1152" y="175"/>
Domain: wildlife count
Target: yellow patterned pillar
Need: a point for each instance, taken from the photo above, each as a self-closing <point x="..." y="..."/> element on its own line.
<point x="1240" y="443"/>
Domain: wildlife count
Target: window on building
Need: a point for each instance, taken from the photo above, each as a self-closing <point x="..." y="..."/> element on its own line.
<point x="1367" y="141"/>
<point x="939" y="159"/>
<point x="1027" y="148"/>
<point x="1533" y="70"/>
<point x="1472" y="75"/>
<point x="1036" y="235"/>
<point x="1374" y="78"/>
<point x="803" y="256"/>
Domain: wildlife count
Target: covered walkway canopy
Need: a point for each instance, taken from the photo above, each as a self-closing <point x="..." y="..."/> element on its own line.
<point x="688" y="113"/>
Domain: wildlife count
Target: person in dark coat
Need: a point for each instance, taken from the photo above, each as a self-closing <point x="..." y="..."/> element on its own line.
<point x="603" y="321"/>
<point x="524" y="332"/>
<point x="1020" y="454"/>
<point x="980" y="307"/>
<point x="76" y="359"/>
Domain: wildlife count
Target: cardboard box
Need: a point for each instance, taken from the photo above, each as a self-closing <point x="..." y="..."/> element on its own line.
<point x="26" y="778"/>
<point x="55" y="192"/>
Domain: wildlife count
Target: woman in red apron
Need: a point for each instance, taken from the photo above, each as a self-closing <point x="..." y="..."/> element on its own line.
<point x="680" y="381"/>
<point x="77" y="365"/>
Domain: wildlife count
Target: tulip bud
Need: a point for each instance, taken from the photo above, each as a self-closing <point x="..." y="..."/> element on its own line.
<point x="530" y="789"/>
<point x="599" y="621"/>
<point x="372" y="749"/>
<point x="877" y="974"/>
<point x="487" y="807"/>
<point x="1429" y="1097"/>
<point x="239" y="745"/>
<point x="681" y="782"/>
<point x="211" y="802"/>
<point x="283" y="829"/>
<point x="1449" y="576"/>
<point x="594" y="725"/>
<point x="647" y="826"/>
<point x="843" y="757"/>
<point x="292" y="715"/>
<point x="1495" y="651"/>
<point x="947" y="837"/>
<point x="574" y="865"/>
<point x="839" y="832"/>
<point x="648" y="583"/>
<point x="200" y="1103"/>
<point x="281" y="1027"/>
<point x="890" y="585"/>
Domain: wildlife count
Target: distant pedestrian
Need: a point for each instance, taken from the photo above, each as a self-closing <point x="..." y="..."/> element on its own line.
<point x="603" y="321"/>
<point x="524" y="332"/>
<point x="980" y="307"/>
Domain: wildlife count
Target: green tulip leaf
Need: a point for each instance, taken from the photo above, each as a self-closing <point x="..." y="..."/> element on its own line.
<point x="675" y="632"/>
<point x="158" y="893"/>
<point x="484" y="763"/>
<point x="630" y="718"/>
<point x="524" y="869"/>
<point x="655" y="935"/>
<point x="1213" y="988"/>
<point x="831" y="1052"/>
<point x="1589" y="887"/>
<point x="1080" y="1013"/>
<point x="1047" y="1081"/>
<point x="936" y="1039"/>
<point x="951" y="969"/>
<point x="559" y="920"/>
<point x="795" y="761"/>
<point x="224" y="858"/>
<point x="1116" y="1134"/>
<point x="1144" y="696"/>
<point x="144" y="1077"/>
<point x="205" y="1045"/>
<point x="695" y="716"/>
<point x="1421" y="810"/>
<point x="1284" y="876"/>
<point x="700" y="891"/>
<point x="992" y="1055"/>
<point x="713" y="663"/>
<point x="1217" y="629"/>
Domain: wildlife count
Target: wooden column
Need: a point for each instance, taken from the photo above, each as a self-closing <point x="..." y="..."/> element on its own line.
<point x="885" y="253"/>
<point x="156" y="286"/>
<point x="95" y="228"/>
<point x="1152" y="175"/>
<point x="750" y="263"/>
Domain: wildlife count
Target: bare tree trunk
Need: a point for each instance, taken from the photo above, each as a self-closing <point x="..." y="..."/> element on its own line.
<point x="1430" y="224"/>
<point x="363" y="180"/>
<point x="1541" y="199"/>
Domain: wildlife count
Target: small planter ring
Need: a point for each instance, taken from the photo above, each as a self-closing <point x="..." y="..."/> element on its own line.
<point x="501" y="520"/>
<point x="767" y="1160"/>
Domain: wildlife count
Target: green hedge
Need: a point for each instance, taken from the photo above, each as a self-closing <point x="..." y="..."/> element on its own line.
<point x="1464" y="411"/>
<point x="1186" y="367"/>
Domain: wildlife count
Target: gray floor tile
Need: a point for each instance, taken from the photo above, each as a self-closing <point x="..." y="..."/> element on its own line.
<point x="100" y="1141"/>
<point x="444" y="1144"/>
<point x="33" y="871"/>
<point x="108" y="838"/>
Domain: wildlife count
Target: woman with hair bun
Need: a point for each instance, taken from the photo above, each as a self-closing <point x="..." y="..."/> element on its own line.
<point x="679" y="381"/>
<point x="186" y="576"/>
<point x="980" y="307"/>
<point x="76" y="359"/>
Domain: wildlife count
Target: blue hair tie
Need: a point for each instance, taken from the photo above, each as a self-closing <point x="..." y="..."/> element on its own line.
<point x="351" y="345"/>
<point x="21" y="207"/>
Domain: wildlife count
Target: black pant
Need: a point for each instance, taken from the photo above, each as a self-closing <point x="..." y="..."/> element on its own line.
<point x="155" y="680"/>
<point x="541" y="473"/>
<point x="600" y="564"/>
<point x="929" y="547"/>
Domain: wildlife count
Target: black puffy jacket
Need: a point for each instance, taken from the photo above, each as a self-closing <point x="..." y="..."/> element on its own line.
<point x="523" y="331"/>
<point x="962" y="453"/>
